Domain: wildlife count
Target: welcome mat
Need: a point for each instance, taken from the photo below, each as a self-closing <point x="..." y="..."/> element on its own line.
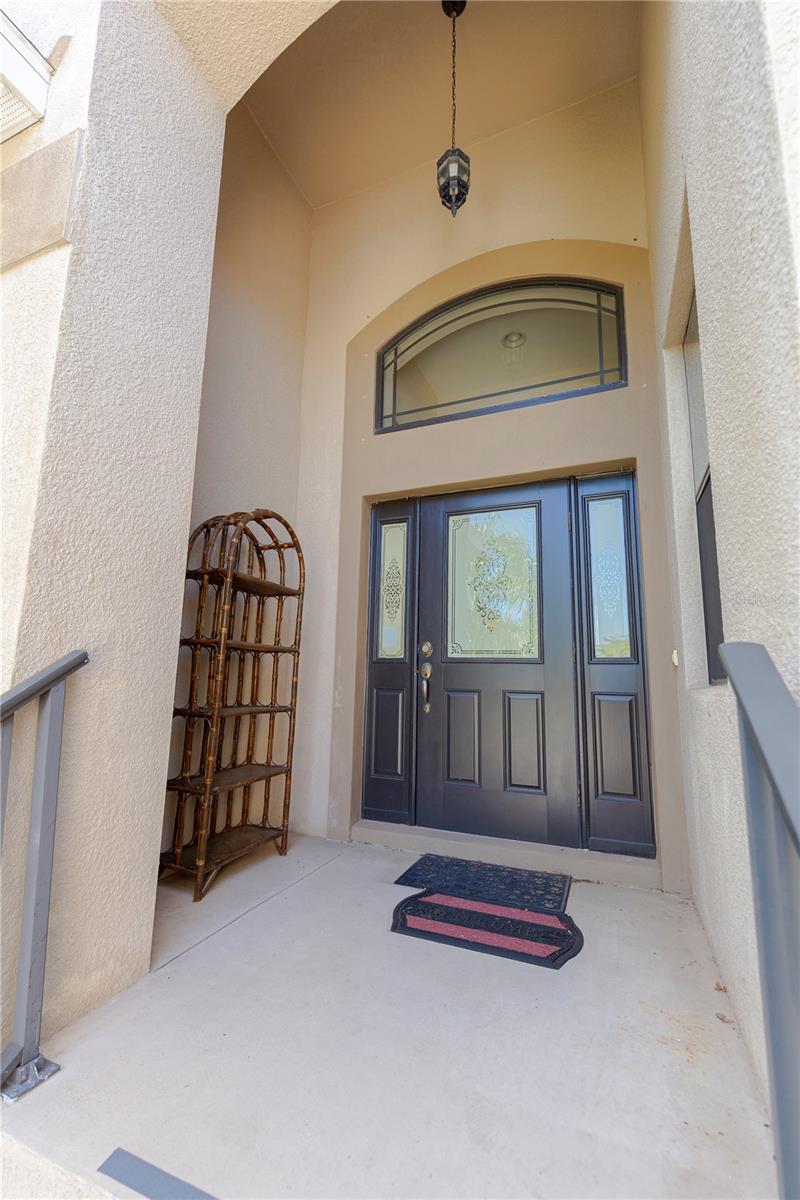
<point x="495" y="910"/>
<point x="541" y="890"/>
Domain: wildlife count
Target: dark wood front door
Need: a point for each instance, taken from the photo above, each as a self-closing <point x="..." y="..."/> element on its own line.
<point x="505" y="691"/>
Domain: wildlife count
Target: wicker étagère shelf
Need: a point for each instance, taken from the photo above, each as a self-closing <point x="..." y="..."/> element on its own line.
<point x="237" y="693"/>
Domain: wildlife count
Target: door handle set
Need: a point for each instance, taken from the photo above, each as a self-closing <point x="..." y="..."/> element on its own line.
<point x="425" y="672"/>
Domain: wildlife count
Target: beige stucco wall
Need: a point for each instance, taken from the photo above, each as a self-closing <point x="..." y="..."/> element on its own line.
<point x="234" y="41"/>
<point x="104" y="559"/>
<point x="32" y="297"/>
<point x="32" y="302"/>
<point x="716" y="172"/>
<point x="248" y="446"/>
<point x="116" y="398"/>
<point x="534" y="183"/>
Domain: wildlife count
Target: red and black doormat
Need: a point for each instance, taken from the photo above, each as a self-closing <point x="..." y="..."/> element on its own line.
<point x="495" y="910"/>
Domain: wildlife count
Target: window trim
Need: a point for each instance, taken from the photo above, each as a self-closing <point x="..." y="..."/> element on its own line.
<point x="705" y="550"/>
<point x="494" y="289"/>
<point x="445" y="600"/>
<point x="627" y="527"/>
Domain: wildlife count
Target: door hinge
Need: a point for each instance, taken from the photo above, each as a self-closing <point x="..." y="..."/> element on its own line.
<point x="569" y="522"/>
<point x="580" y="795"/>
<point x="574" y="655"/>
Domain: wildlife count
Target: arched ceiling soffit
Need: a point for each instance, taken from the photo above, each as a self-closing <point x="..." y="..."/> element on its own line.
<point x="364" y="95"/>
<point x="234" y="41"/>
<point x="563" y="258"/>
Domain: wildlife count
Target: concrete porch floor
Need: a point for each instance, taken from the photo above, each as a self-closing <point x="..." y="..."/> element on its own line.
<point x="286" y="1044"/>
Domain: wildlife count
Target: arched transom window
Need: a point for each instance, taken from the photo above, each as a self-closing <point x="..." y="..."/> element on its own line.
<point x="511" y="345"/>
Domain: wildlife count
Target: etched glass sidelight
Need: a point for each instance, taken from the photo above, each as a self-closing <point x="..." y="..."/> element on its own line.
<point x="493" y="584"/>
<point x="608" y="561"/>
<point x="391" y="632"/>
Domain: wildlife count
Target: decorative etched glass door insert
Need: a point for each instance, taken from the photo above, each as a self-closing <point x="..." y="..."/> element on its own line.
<point x="493" y="584"/>
<point x="609" y="578"/>
<point x="391" y="632"/>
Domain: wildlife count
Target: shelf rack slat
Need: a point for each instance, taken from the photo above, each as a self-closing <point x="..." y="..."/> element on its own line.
<point x="253" y="585"/>
<point x="224" y="847"/>
<point x="233" y="710"/>
<point x="228" y="779"/>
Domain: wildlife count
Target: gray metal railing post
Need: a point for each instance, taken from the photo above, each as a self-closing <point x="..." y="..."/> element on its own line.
<point x="769" y="728"/>
<point x="39" y="873"/>
<point x="7" y="732"/>
<point x="23" y="1066"/>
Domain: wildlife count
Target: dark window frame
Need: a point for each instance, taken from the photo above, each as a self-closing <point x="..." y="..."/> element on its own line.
<point x="444" y="633"/>
<point x="593" y="657"/>
<point x="590" y="285"/>
<point x="706" y="535"/>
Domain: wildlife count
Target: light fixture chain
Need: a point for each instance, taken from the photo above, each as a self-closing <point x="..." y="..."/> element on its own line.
<point x="452" y="167"/>
<point x="453" y="130"/>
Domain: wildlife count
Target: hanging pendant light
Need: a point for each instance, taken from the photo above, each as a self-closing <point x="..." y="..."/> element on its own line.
<point x="452" y="169"/>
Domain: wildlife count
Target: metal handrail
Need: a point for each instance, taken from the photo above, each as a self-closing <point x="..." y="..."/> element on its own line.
<point x="23" y="1066"/>
<point x="40" y="682"/>
<point x="769" y="731"/>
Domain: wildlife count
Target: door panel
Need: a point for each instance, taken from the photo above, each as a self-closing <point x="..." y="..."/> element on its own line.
<point x="496" y="753"/>
<point x="617" y="784"/>
<point x="388" y="732"/>
<point x="616" y="768"/>
<point x="463" y="726"/>
<point x="524" y="745"/>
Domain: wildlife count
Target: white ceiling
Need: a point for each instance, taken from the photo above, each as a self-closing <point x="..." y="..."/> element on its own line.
<point x="364" y="94"/>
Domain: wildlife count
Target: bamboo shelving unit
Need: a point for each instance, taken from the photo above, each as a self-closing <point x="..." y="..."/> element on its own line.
<point x="238" y="674"/>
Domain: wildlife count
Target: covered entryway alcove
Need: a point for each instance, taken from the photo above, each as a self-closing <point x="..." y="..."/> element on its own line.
<point x="301" y="356"/>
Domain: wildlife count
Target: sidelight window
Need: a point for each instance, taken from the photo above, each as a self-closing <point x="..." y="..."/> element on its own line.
<point x="609" y="578"/>
<point x="514" y="345"/>
<point x="391" y="627"/>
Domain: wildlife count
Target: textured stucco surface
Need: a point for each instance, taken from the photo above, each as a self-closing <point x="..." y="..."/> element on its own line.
<point x="718" y="205"/>
<point x="106" y="366"/>
<point x="38" y="192"/>
<point x="106" y="550"/>
<point x="248" y="445"/>
<point x="783" y="37"/>
<point x="117" y="329"/>
<point x="32" y="297"/>
<point x="234" y="41"/>
<point x="31" y="310"/>
<point x="32" y="301"/>
<point x="536" y="182"/>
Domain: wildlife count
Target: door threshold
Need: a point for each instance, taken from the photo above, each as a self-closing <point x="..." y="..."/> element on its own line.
<point x="591" y="865"/>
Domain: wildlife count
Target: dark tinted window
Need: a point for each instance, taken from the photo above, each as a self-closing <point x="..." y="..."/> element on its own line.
<point x="706" y="533"/>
